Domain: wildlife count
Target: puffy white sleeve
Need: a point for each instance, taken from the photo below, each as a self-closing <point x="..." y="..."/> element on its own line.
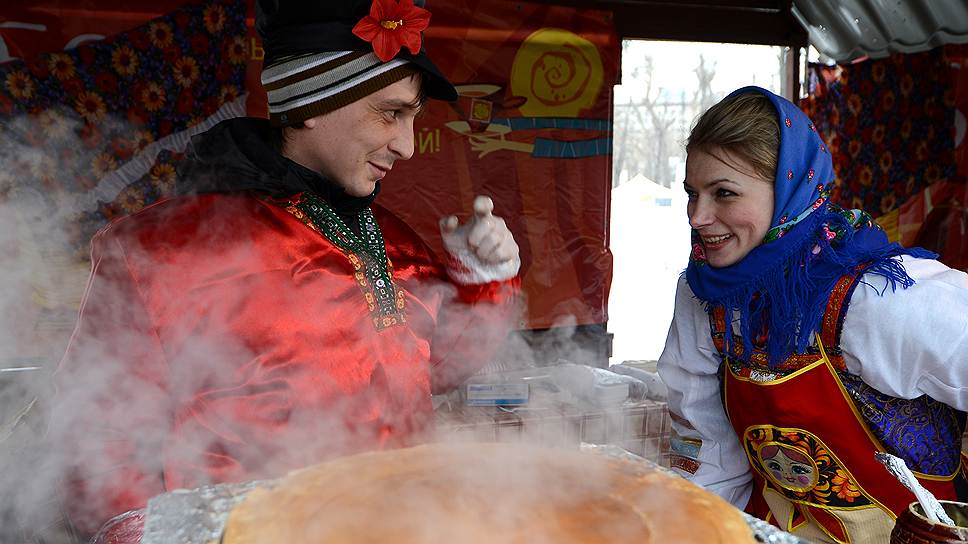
<point x="914" y="341"/>
<point x="703" y="436"/>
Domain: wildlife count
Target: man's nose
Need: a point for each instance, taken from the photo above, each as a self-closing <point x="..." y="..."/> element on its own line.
<point x="402" y="144"/>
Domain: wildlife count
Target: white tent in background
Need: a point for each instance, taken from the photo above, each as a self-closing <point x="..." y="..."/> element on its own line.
<point x="649" y="239"/>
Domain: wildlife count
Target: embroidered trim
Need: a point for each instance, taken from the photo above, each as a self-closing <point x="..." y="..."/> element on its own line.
<point x="745" y="374"/>
<point x="683" y="463"/>
<point x="756" y="366"/>
<point x="833" y="318"/>
<point x="373" y="269"/>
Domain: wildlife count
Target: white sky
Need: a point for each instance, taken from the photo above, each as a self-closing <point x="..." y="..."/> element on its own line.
<point x="674" y="65"/>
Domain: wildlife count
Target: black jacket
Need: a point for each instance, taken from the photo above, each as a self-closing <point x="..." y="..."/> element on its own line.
<point x="235" y="155"/>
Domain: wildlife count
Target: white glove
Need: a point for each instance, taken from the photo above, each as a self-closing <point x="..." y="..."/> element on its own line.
<point x="483" y="249"/>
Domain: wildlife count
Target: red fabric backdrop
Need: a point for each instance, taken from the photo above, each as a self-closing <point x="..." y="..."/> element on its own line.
<point x="896" y="128"/>
<point x="532" y="128"/>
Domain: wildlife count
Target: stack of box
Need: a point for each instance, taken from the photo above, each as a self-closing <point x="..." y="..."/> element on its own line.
<point x="642" y="427"/>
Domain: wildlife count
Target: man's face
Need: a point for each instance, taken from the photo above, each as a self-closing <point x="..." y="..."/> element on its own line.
<point x="356" y="145"/>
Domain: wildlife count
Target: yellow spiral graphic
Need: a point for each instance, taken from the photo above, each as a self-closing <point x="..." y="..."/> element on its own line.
<point x="559" y="72"/>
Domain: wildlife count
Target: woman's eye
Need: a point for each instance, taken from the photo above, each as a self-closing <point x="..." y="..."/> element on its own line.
<point x="723" y="193"/>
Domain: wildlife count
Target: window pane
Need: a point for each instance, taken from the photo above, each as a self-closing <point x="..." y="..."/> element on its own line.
<point x="665" y="86"/>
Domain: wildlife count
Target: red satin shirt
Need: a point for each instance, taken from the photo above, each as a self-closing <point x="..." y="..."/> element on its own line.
<point x="222" y="338"/>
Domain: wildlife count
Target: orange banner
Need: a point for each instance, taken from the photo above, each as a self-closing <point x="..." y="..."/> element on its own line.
<point x="532" y="129"/>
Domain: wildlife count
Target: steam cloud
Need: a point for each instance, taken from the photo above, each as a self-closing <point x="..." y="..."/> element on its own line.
<point x="112" y="397"/>
<point x="41" y="283"/>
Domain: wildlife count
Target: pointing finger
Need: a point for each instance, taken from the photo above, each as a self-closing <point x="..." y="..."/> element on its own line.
<point x="483" y="206"/>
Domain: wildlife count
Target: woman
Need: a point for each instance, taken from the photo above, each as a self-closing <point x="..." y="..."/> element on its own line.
<point x="839" y="343"/>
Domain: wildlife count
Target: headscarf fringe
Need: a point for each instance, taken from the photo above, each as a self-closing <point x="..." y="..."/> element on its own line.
<point x="793" y="295"/>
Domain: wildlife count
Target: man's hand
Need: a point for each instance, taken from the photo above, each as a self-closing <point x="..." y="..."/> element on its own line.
<point x="483" y="247"/>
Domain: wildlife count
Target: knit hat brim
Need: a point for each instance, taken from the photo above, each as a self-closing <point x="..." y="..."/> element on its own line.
<point x="300" y="90"/>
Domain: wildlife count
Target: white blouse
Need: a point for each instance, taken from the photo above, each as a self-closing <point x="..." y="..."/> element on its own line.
<point x="904" y="343"/>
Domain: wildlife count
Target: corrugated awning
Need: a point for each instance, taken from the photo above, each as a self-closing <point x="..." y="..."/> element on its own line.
<point x="846" y="30"/>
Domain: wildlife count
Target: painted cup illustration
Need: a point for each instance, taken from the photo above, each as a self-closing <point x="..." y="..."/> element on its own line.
<point x="478" y="103"/>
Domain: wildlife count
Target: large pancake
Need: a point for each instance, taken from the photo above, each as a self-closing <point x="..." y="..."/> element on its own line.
<point x="483" y="493"/>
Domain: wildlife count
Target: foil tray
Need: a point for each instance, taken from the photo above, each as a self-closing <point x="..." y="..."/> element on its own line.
<point x="762" y="531"/>
<point x="197" y="516"/>
<point x="194" y="516"/>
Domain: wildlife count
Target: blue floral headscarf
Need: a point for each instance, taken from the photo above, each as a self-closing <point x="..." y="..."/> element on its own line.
<point x="782" y="285"/>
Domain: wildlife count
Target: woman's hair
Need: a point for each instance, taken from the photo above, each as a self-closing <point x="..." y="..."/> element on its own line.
<point x="745" y="126"/>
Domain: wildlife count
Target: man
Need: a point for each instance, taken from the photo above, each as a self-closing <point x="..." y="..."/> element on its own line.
<point x="272" y="315"/>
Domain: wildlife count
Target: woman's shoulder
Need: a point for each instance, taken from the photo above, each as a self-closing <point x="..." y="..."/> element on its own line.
<point x="934" y="283"/>
<point x="932" y="270"/>
<point x="892" y="338"/>
<point x="923" y="272"/>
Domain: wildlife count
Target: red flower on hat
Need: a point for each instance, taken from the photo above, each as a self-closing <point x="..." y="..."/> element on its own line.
<point x="391" y="25"/>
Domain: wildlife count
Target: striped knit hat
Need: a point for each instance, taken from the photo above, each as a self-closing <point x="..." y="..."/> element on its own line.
<point x="315" y="64"/>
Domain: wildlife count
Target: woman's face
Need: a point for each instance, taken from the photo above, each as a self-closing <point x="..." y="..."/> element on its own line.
<point x="730" y="206"/>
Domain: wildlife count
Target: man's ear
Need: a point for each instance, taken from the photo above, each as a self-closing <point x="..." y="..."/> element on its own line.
<point x="310" y="123"/>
